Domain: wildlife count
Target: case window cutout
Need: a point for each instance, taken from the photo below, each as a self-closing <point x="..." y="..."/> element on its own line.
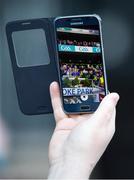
<point x="30" y="48"/>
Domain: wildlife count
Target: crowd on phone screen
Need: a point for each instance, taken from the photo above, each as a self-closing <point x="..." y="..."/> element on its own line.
<point x="92" y="72"/>
<point x="79" y="43"/>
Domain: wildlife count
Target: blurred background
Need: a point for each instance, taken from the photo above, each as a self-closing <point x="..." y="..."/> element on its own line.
<point x="24" y="139"/>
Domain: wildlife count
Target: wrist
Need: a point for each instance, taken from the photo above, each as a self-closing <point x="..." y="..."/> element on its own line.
<point x="71" y="169"/>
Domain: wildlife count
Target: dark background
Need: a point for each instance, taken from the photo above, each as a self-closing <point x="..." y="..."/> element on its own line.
<point x="29" y="135"/>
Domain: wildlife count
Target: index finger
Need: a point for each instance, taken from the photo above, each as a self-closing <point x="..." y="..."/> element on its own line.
<point x="107" y="108"/>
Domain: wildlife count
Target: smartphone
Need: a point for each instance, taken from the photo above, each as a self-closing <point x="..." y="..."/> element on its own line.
<point x="80" y="62"/>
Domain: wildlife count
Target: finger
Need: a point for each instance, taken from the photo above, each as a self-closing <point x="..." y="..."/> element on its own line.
<point x="112" y="122"/>
<point x="56" y="102"/>
<point x="107" y="107"/>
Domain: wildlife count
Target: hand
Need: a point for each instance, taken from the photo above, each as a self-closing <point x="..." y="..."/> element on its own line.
<point x="79" y="141"/>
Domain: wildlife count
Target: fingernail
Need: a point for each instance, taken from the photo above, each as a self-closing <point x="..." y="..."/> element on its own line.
<point x="116" y="97"/>
<point x="54" y="83"/>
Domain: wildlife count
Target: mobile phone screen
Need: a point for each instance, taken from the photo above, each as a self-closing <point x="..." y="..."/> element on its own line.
<point x="80" y="62"/>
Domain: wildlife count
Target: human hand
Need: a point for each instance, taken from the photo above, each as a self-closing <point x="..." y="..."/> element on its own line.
<point x="79" y="141"/>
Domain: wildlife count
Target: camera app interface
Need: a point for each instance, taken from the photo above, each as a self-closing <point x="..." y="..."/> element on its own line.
<point x="81" y="65"/>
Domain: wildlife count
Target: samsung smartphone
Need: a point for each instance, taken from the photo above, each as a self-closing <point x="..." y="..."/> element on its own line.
<point x="80" y="60"/>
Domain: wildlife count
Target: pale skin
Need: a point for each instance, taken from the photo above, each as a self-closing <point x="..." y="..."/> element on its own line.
<point x="79" y="141"/>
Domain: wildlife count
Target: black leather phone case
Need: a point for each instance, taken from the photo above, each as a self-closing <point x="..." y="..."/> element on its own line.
<point x="32" y="83"/>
